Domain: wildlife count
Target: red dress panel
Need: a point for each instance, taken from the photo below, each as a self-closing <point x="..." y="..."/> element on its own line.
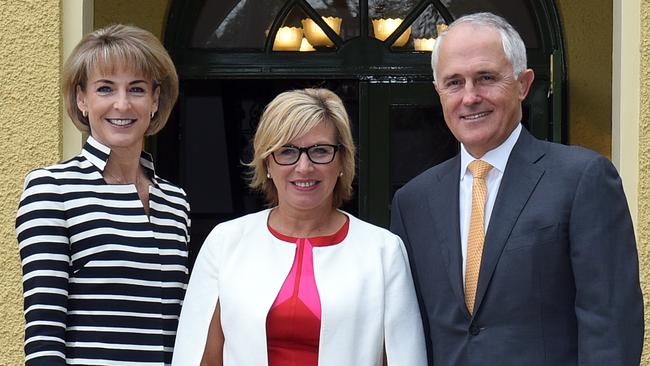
<point x="293" y="323"/>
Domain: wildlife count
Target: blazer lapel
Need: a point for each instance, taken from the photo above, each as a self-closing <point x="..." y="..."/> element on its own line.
<point x="443" y="205"/>
<point x="519" y="181"/>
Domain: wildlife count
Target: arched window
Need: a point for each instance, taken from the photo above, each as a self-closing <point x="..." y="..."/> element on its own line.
<point x="234" y="56"/>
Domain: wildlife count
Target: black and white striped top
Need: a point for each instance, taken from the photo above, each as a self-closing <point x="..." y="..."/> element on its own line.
<point x="103" y="282"/>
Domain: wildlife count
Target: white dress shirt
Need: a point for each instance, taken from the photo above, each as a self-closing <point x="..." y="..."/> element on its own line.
<point x="498" y="158"/>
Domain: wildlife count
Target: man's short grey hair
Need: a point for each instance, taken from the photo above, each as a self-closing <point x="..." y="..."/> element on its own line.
<point x="513" y="45"/>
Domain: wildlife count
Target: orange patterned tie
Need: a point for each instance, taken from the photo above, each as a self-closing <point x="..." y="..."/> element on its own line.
<point x="476" y="237"/>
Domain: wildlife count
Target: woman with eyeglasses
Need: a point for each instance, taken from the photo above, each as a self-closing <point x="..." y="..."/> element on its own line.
<point x="301" y="283"/>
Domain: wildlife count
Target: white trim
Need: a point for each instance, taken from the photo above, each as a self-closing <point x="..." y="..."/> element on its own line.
<point x="626" y="94"/>
<point x="77" y="21"/>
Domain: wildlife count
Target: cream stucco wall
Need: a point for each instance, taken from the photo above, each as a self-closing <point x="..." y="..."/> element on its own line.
<point x="643" y="224"/>
<point x="30" y="114"/>
<point x="625" y="98"/>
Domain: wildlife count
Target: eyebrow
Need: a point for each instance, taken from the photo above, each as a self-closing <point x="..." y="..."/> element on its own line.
<point x="478" y="73"/>
<point x="450" y="77"/>
<point x="107" y="81"/>
<point x="312" y="145"/>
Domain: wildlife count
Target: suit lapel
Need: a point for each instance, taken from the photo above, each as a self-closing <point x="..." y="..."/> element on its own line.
<point x="443" y="205"/>
<point x="519" y="181"/>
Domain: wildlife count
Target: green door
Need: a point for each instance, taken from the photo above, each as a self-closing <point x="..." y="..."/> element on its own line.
<point x="402" y="133"/>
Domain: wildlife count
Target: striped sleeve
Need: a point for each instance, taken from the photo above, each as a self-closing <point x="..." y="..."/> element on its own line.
<point x="45" y="255"/>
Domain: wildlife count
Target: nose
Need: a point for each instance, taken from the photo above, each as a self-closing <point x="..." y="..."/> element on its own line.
<point x="304" y="164"/>
<point x="122" y="102"/>
<point x="471" y="94"/>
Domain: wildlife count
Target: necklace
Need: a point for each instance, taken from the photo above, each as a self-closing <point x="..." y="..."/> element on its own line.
<point x="139" y="178"/>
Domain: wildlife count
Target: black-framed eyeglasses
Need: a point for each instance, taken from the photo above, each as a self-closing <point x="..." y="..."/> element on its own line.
<point x="317" y="154"/>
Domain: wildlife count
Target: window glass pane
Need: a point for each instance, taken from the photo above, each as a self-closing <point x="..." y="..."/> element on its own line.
<point x="425" y="30"/>
<point x="419" y="139"/>
<point x="241" y="24"/>
<point x="386" y="15"/>
<point x="289" y="36"/>
<point x="244" y="24"/>
<point x="346" y="10"/>
<point x="228" y="24"/>
<point x="518" y="13"/>
<point x="428" y="24"/>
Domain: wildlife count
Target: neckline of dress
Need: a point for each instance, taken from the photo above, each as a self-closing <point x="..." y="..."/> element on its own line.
<point x="317" y="241"/>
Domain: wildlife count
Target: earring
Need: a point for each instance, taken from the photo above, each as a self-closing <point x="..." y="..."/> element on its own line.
<point x="268" y="175"/>
<point x="152" y="114"/>
<point x="84" y="113"/>
<point x="340" y="174"/>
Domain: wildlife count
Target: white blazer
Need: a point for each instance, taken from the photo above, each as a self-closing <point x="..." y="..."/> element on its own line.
<point x="364" y="282"/>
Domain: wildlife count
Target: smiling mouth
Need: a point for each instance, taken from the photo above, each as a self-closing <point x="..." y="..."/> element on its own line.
<point x="475" y="116"/>
<point x="307" y="184"/>
<point x="120" y="122"/>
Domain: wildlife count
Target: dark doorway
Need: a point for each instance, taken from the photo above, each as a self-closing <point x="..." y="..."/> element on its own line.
<point x="229" y="67"/>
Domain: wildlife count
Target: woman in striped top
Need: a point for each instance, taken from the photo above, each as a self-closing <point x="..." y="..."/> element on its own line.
<point x="103" y="239"/>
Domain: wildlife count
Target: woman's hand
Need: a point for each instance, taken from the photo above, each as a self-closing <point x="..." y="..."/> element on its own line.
<point x="213" y="353"/>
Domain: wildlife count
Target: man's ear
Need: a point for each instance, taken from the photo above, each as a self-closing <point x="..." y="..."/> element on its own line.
<point x="525" y="81"/>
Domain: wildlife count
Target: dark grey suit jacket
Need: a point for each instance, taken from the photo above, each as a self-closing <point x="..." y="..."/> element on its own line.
<point x="559" y="278"/>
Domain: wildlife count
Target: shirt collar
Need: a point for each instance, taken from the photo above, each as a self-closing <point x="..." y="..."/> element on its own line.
<point x="497" y="157"/>
<point x="98" y="153"/>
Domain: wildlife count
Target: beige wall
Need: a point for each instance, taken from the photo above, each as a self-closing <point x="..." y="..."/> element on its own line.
<point x="148" y="14"/>
<point x="588" y="44"/>
<point x="77" y="21"/>
<point x="30" y="114"/>
<point x="643" y="226"/>
<point x="626" y="98"/>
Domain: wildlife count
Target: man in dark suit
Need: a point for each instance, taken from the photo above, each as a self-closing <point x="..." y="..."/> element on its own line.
<point x="527" y="256"/>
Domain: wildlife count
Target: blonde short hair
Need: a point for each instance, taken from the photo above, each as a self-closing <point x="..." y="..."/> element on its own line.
<point x="291" y="115"/>
<point x="111" y="48"/>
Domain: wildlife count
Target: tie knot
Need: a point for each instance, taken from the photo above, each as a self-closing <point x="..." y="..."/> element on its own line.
<point x="479" y="168"/>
